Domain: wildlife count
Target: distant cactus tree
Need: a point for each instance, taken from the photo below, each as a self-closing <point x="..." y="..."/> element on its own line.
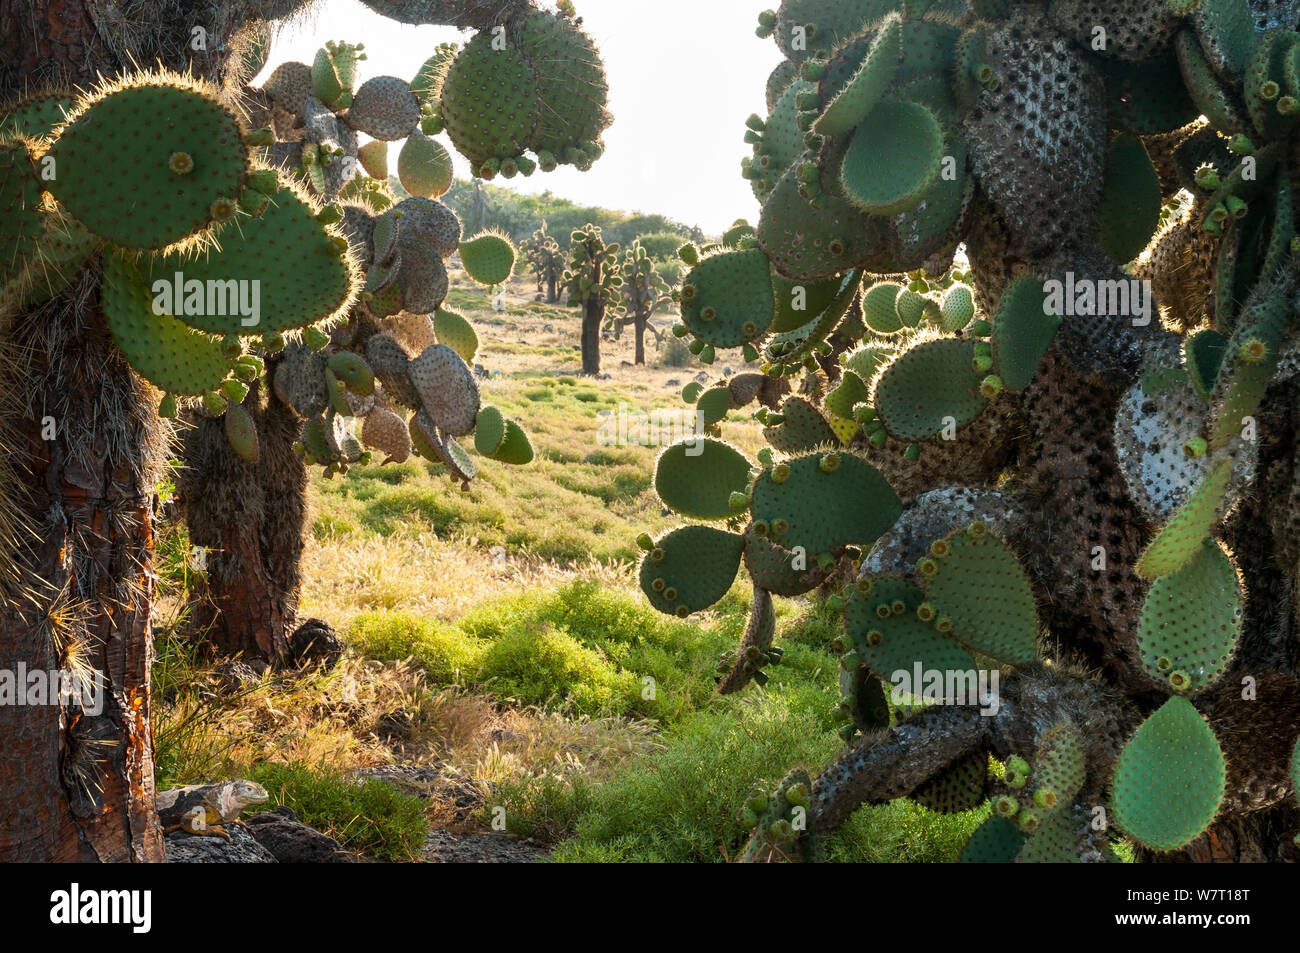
<point x="594" y="281"/>
<point x="546" y="258"/>
<point x="644" y="293"/>
<point x="233" y="265"/>
<point x="1074" y="471"/>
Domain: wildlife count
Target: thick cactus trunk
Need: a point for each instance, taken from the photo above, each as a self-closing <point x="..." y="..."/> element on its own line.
<point x="249" y="520"/>
<point x="78" y="779"/>
<point x="640" y="338"/>
<point x="593" y="317"/>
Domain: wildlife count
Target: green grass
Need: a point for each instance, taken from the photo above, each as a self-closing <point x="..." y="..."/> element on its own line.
<point x="370" y="816"/>
<point x="582" y="648"/>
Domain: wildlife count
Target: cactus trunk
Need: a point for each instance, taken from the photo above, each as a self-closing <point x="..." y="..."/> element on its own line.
<point x="593" y="318"/>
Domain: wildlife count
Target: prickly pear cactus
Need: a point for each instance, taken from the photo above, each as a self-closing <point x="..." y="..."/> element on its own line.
<point x="1037" y="293"/>
<point x="644" y="292"/>
<point x="593" y="282"/>
<point x="547" y="260"/>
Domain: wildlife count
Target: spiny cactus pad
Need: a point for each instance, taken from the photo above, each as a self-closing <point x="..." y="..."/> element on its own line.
<point x="1169" y="778"/>
<point x="979" y="584"/>
<point x="690" y="568"/>
<point x="488" y="258"/>
<point x="996" y="841"/>
<point x="696" y="477"/>
<point x="893" y="643"/>
<point x="732" y="299"/>
<point x="1130" y="201"/>
<point x="927" y="384"/>
<point x="490" y="101"/>
<point x="164" y="351"/>
<point x="448" y="391"/>
<point x="1022" y="332"/>
<point x="302" y="278"/>
<point x="962" y="787"/>
<point x="894" y="158"/>
<point x="854" y="102"/>
<point x="1180" y="539"/>
<point x="115" y="166"/>
<point x="424" y="166"/>
<point x="801" y="429"/>
<point x="1191" y="620"/>
<point x="457" y="333"/>
<point x="570" y="83"/>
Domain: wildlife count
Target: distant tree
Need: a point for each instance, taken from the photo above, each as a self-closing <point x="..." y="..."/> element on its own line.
<point x="594" y="280"/>
<point x="644" y="292"/>
<point x="546" y="258"/>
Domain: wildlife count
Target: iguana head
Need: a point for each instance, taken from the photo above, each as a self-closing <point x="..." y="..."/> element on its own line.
<point x="249" y="792"/>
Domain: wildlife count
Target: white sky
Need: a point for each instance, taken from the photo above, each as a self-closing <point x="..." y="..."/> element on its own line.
<point x="683" y="74"/>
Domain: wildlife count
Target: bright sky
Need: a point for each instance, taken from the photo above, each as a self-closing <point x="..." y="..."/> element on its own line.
<point x="683" y="74"/>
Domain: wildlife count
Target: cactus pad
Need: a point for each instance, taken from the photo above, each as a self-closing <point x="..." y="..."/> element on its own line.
<point x="825" y="507"/>
<point x="424" y="166"/>
<point x="690" y="568"/>
<point x="114" y="168"/>
<point x="241" y="432"/>
<point x="854" y="102"/>
<point x="385" y="108"/>
<point x="1191" y="620"/>
<point x="458" y="334"/>
<point x="1022" y="332"/>
<point x="490" y="101"/>
<point x="879" y="307"/>
<point x="981" y="587"/>
<point x="1180" y="539"/>
<point x="1169" y="779"/>
<point x="962" y="787"/>
<point x="894" y="158"/>
<point x="160" y="348"/>
<point x="301" y="276"/>
<point x="802" y="428"/>
<point x="697" y="476"/>
<point x="996" y="841"/>
<point x="488" y="258"/>
<point x="516" y="449"/>
<point x="1130" y="200"/>
<point x="733" y="299"/>
<point x="927" y="383"/>
<point x="448" y="391"/>
<point x="571" y="85"/>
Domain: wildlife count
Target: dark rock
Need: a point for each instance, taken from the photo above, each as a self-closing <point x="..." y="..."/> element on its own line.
<point x="673" y="383"/>
<point x="242" y="848"/>
<point x="292" y="842"/>
<point x="316" y="641"/>
<point x="236" y="675"/>
<point x="449" y="847"/>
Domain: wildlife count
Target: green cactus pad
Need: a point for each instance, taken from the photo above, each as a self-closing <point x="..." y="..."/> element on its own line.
<point x="1208" y="93"/>
<point x="570" y="82"/>
<point x="879" y="307"/>
<point x="851" y="504"/>
<point x="241" y="432"/>
<point x="805" y="243"/>
<point x="1242" y="382"/>
<point x="488" y="258"/>
<point x="850" y="391"/>
<point x="893" y="645"/>
<point x="160" y="348"/>
<point x="489" y="430"/>
<point x="1056" y="841"/>
<point x="1060" y="765"/>
<point x="1169" y="779"/>
<point x="384" y="107"/>
<point x="859" y="96"/>
<point x="696" y="566"/>
<point x="35" y="117"/>
<point x="427" y="84"/>
<point x="424" y="166"/>
<point x="490" y="101"/>
<point x="1191" y="619"/>
<point x="957" y="309"/>
<point x="1130" y="200"/>
<point x="697" y="476"/>
<point x="692" y="391"/>
<point x="927" y="383"/>
<point x="963" y="786"/>
<point x="20" y="204"/>
<point x="781" y="571"/>
<point x="1180" y="539"/>
<point x="780" y="143"/>
<point x="910" y="307"/>
<point x="867" y="359"/>
<point x="734" y="301"/>
<point x="334" y="74"/>
<point x="113" y="161"/>
<point x="1022" y="332"/>
<point x="457" y="333"/>
<point x="713" y="404"/>
<point x="1203" y="353"/>
<point x="894" y="159"/>
<point x="799" y="302"/>
<point x="802" y="429"/>
<point x="996" y="841"/>
<point x="982" y="588"/>
<point x="1227" y="33"/>
<point x="1146" y="98"/>
<point x="516" y="449"/>
<point x="302" y="278"/>
<point x="353" y="371"/>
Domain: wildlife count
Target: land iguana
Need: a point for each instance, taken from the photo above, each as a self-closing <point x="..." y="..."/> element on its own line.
<point x="205" y="809"/>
